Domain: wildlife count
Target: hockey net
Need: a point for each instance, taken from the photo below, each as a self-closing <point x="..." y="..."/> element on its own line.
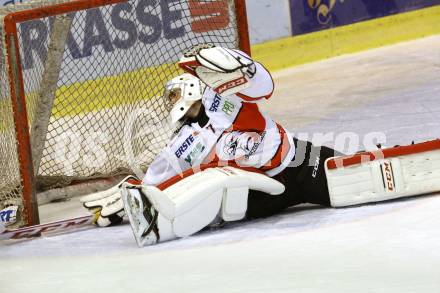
<point x="82" y="83"/>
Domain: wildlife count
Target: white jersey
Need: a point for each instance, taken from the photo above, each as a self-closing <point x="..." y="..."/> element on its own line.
<point x="236" y="133"/>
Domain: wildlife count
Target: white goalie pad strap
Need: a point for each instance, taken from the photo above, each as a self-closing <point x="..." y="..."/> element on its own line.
<point x="234" y="205"/>
<point x="393" y="173"/>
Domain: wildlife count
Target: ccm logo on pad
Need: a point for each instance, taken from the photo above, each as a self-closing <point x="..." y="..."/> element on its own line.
<point x="231" y="84"/>
<point x="388" y="176"/>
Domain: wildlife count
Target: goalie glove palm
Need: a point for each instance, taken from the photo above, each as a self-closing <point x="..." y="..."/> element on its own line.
<point x="107" y="206"/>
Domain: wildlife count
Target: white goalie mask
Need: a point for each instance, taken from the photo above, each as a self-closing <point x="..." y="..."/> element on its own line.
<point x="182" y="92"/>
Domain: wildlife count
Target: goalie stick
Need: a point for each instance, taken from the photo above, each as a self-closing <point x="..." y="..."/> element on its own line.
<point x="58" y="227"/>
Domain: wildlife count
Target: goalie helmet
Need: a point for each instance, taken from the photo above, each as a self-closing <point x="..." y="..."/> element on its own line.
<point x="181" y="93"/>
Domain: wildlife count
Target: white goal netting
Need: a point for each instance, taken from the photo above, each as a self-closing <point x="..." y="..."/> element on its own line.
<point x="93" y="82"/>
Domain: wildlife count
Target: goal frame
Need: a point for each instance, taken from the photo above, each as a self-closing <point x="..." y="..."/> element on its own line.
<point x="17" y="91"/>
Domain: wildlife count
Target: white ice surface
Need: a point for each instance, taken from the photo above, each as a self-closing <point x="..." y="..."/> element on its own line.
<point x="388" y="247"/>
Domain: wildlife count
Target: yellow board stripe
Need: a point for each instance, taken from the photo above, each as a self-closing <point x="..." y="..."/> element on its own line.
<point x="102" y="93"/>
<point x="352" y="38"/>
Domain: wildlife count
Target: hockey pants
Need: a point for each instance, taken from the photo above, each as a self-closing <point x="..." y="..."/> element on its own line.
<point x="304" y="179"/>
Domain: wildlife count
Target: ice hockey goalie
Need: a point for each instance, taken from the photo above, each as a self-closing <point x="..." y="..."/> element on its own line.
<point x="228" y="161"/>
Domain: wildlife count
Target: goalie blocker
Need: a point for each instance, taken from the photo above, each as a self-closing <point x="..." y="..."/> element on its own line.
<point x="199" y="200"/>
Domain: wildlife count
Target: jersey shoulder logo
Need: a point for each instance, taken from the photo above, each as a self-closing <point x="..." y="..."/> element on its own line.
<point x="215" y="104"/>
<point x="228" y="107"/>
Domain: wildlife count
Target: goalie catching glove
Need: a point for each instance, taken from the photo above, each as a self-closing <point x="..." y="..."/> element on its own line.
<point x="107" y="206"/>
<point x="224" y="70"/>
<point x="192" y="203"/>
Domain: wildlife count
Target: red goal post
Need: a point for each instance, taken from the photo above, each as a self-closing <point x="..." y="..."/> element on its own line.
<point x="34" y="96"/>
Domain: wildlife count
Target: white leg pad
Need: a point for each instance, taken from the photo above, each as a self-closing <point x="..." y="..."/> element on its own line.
<point x="191" y="204"/>
<point x="399" y="172"/>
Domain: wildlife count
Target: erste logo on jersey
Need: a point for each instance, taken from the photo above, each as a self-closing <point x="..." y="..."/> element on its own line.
<point x="185" y="145"/>
<point x="215" y="104"/>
